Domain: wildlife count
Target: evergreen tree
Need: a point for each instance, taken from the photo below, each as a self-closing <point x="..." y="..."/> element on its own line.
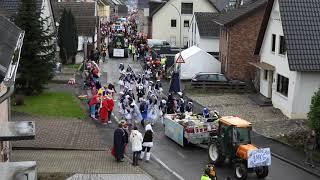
<point x="38" y="50"/>
<point x="67" y="37"/>
<point x="314" y="113"/>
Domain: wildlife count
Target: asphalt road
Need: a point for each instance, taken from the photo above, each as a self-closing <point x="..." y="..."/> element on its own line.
<point x="171" y="161"/>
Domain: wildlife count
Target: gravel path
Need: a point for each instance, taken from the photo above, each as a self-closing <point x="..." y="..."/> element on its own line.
<point x="267" y="121"/>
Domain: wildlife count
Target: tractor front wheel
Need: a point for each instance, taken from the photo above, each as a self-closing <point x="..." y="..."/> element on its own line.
<point x="240" y="171"/>
<point x="262" y="172"/>
<point x="215" y="154"/>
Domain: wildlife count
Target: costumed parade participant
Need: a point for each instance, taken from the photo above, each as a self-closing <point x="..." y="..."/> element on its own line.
<point x="103" y="111"/>
<point x="147" y="143"/>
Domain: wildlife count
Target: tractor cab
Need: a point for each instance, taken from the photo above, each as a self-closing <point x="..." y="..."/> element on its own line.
<point x="234" y="133"/>
<point x="233" y="143"/>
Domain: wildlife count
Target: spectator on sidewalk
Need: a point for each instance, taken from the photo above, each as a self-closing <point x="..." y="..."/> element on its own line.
<point x="119" y="143"/>
<point x="110" y="106"/>
<point x="136" y="142"/>
<point x="147" y="143"/>
<point x="309" y="147"/>
<point x="92" y="104"/>
<point x="103" y="111"/>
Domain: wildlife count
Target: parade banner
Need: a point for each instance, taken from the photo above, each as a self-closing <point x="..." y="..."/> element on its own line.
<point x="174" y="131"/>
<point x="259" y="157"/>
<point x="118" y="52"/>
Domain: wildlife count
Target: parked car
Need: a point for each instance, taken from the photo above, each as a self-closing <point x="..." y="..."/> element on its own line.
<point x="152" y="43"/>
<point x="207" y="77"/>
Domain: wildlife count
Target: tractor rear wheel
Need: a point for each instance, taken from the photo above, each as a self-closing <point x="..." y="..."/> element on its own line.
<point x="240" y="171"/>
<point x="215" y="153"/>
<point x="262" y="172"/>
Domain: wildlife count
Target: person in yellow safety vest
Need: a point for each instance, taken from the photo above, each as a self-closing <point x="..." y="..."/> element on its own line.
<point x="209" y="173"/>
<point x="133" y="49"/>
<point x="163" y="60"/>
<point x="130" y="48"/>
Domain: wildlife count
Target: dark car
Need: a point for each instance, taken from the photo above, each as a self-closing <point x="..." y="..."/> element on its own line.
<point x="214" y="78"/>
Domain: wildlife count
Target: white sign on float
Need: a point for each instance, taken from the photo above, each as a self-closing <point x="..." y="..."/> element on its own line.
<point x="118" y="52"/>
<point x="259" y="157"/>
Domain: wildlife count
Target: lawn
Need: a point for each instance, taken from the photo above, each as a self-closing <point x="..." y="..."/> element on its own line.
<point x="53" y="104"/>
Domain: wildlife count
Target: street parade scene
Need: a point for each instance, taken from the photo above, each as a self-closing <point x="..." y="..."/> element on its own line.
<point x="172" y="102"/>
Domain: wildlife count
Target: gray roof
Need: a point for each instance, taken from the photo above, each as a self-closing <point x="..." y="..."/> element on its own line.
<point x="206" y="25"/>
<point x="83" y="12"/>
<point x="9" y="35"/>
<point x="301" y="28"/>
<point x="236" y="14"/>
<point x="12" y="6"/>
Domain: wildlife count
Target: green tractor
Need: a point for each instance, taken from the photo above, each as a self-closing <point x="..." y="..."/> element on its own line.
<point x="117" y="47"/>
<point x="232" y="144"/>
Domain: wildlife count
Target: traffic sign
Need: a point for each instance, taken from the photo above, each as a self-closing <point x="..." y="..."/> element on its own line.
<point x="180" y="59"/>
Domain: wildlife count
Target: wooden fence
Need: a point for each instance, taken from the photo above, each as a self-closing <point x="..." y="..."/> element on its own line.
<point x="220" y="87"/>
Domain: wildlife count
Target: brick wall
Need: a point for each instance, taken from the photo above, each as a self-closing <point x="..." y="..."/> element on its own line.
<point x="238" y="51"/>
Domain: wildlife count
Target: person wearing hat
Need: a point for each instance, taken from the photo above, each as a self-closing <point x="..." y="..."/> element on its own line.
<point x="143" y="111"/>
<point x="162" y="109"/>
<point x="147" y="143"/>
<point x="136" y="143"/>
<point x="189" y="107"/>
<point x="140" y="92"/>
<point x="205" y="113"/>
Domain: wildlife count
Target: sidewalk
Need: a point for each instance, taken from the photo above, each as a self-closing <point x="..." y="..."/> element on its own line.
<point x="72" y="146"/>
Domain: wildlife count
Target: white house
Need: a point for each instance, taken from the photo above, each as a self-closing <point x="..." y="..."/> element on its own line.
<point x="204" y="32"/>
<point x="288" y="44"/>
<point x="165" y="19"/>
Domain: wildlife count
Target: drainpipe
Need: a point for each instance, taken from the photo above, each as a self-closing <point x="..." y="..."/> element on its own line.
<point x="9" y="80"/>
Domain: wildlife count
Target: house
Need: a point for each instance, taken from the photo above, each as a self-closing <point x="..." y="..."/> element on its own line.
<point x="204" y="33"/>
<point x="86" y="19"/>
<point x="104" y="8"/>
<point x="238" y="36"/>
<point x="165" y="19"/>
<point x="11" y="40"/>
<point x="288" y="45"/>
<point x="120" y="9"/>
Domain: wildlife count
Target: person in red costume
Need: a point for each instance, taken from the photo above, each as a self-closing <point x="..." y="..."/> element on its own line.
<point x="110" y="105"/>
<point x="103" y="112"/>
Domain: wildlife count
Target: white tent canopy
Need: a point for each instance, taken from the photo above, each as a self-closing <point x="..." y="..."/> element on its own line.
<point x="197" y="60"/>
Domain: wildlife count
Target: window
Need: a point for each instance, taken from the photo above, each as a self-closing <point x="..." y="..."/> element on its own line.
<point x="186" y="8"/>
<point x="273" y="45"/>
<point x="282" y="85"/>
<point x="222" y="78"/>
<point x="186" y="23"/>
<point x="173" y="23"/>
<point x="202" y="77"/>
<point x="213" y="77"/>
<point x="265" y="75"/>
<point x="282" y="46"/>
